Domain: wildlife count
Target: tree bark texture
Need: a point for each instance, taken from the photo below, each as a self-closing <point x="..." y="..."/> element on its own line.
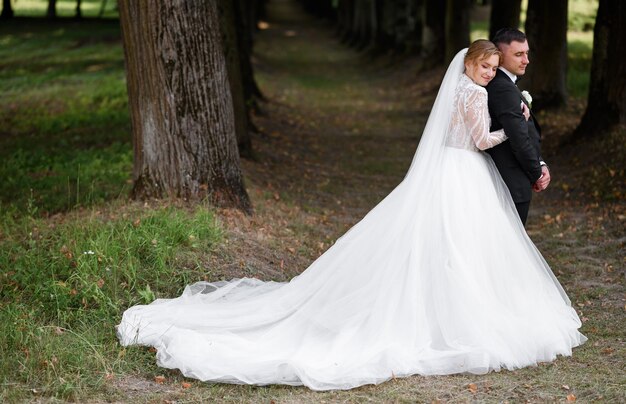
<point x="546" y="30"/>
<point x="457" y="34"/>
<point x="504" y="14"/>
<point x="180" y="101"/>
<point x="433" y="38"/>
<point x="230" y="41"/>
<point x="606" y="104"/>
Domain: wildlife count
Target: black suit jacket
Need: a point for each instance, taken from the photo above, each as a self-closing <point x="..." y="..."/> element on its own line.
<point x="517" y="158"/>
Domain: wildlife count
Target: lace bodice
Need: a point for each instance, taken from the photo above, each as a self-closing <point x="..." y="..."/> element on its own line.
<point x="469" y="127"/>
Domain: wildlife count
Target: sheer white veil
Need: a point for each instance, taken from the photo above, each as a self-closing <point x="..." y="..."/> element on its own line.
<point x="433" y="138"/>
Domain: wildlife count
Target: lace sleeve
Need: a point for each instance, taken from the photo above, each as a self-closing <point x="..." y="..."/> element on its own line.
<point x="478" y="121"/>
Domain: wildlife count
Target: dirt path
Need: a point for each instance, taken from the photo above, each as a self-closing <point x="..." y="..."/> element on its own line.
<point x="339" y="132"/>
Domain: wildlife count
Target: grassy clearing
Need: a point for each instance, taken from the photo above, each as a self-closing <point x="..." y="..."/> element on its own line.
<point x="64" y="113"/>
<point x="67" y="279"/>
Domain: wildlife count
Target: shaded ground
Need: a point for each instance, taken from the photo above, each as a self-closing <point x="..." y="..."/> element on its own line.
<point x="339" y="133"/>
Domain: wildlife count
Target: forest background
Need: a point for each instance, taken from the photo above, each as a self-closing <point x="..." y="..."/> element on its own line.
<point x="334" y="101"/>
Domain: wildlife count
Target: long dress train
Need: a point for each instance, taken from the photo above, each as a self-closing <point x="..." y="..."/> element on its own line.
<point x="439" y="278"/>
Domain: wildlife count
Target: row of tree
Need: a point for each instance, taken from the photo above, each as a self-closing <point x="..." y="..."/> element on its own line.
<point x="51" y="11"/>
<point x="437" y="29"/>
<point x="191" y="85"/>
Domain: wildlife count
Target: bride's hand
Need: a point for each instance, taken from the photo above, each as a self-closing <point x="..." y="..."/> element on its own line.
<point x="525" y="111"/>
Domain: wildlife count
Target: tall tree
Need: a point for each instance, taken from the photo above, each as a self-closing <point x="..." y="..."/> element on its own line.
<point x="415" y="24"/>
<point x="433" y="37"/>
<point x="504" y="14"/>
<point x="399" y="24"/>
<point x="248" y="15"/>
<point x="181" y="105"/>
<point x="103" y="7"/>
<point x="230" y="41"/>
<point x="457" y="29"/>
<point x="345" y="19"/>
<point x="52" y="9"/>
<point x="79" y="14"/>
<point x="7" y="9"/>
<point x="606" y="104"/>
<point x="546" y="29"/>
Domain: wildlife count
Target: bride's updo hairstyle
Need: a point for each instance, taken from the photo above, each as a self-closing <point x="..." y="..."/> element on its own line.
<point x="481" y="49"/>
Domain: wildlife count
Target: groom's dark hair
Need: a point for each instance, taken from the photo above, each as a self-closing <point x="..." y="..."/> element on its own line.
<point x="508" y="35"/>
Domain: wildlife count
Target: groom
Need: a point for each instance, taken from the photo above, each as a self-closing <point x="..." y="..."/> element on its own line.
<point x="519" y="158"/>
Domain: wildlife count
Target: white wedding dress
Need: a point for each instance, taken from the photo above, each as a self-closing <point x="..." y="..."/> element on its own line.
<point x="439" y="278"/>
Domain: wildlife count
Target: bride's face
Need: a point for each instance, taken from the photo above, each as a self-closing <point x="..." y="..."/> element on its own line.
<point x="481" y="71"/>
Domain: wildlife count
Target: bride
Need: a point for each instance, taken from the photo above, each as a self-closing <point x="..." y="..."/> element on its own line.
<point x="439" y="278"/>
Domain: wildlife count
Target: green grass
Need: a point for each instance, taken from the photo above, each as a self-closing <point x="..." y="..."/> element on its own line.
<point x="579" y="53"/>
<point x="65" y="138"/>
<point x="66" y="283"/>
<point x="74" y="252"/>
<point x="65" y="8"/>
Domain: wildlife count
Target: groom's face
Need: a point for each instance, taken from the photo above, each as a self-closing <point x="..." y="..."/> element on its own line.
<point x="515" y="57"/>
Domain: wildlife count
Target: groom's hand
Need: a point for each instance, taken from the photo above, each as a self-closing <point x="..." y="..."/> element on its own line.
<point x="543" y="181"/>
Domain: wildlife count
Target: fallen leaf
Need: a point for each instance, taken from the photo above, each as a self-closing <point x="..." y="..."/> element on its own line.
<point x="186" y="385"/>
<point x="100" y="283"/>
<point x="565" y="386"/>
<point x="472" y="388"/>
<point x="159" y="379"/>
<point x="571" y="397"/>
<point x="66" y="252"/>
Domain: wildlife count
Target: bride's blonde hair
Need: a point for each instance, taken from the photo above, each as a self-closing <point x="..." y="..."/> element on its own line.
<point x="481" y="49"/>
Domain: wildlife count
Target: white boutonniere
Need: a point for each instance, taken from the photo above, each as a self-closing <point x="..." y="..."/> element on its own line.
<point x="527" y="97"/>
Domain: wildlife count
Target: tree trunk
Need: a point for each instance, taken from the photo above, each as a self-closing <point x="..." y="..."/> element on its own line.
<point x="546" y="29"/>
<point x="415" y="25"/>
<point x="52" y="9"/>
<point x="606" y="104"/>
<point x="102" y="8"/>
<point x="433" y="38"/>
<point x="7" y="10"/>
<point x="457" y="32"/>
<point x="364" y="25"/>
<point x="230" y="41"/>
<point x="247" y="22"/>
<point x="181" y="105"/>
<point x="79" y="14"/>
<point x="504" y="14"/>
<point x="386" y="35"/>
